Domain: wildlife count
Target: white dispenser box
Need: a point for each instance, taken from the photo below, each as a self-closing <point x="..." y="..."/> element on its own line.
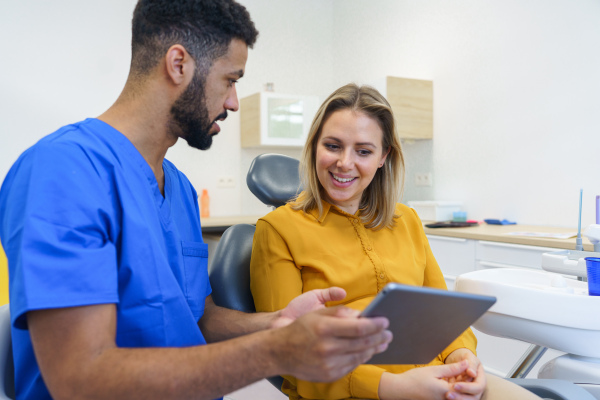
<point x="430" y="210"/>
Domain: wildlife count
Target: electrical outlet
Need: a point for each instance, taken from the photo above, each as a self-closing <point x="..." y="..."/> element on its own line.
<point x="423" y="179"/>
<point x="225" y="182"/>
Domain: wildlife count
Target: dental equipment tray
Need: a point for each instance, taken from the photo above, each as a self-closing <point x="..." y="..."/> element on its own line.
<point x="568" y="262"/>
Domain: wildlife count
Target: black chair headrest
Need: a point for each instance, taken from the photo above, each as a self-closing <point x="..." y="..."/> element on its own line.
<point x="274" y="178"/>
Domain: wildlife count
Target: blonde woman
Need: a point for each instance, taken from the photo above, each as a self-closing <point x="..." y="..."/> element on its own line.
<point x="346" y="229"/>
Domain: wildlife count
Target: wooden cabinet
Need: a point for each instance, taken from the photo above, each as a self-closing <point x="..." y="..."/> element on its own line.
<point x="412" y="103"/>
<point x="270" y="119"/>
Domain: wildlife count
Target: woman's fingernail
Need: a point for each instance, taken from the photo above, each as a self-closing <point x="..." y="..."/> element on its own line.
<point x="451" y="396"/>
<point x="458" y="387"/>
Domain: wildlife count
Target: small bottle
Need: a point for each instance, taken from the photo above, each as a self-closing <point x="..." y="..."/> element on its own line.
<point x="204" y="204"/>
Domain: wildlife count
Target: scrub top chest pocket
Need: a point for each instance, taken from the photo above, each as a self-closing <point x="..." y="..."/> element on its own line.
<point x="196" y="284"/>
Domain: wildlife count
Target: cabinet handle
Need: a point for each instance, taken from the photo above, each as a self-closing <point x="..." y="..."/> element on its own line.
<point x="447" y="239"/>
<point x="516" y="246"/>
<point x="498" y="265"/>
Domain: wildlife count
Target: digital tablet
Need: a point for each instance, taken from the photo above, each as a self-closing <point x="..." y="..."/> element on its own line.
<point x="424" y="321"/>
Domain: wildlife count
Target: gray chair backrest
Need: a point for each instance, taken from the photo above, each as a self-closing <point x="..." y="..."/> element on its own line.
<point x="7" y="370"/>
<point x="274" y="178"/>
<point x="229" y="274"/>
<point x="229" y="271"/>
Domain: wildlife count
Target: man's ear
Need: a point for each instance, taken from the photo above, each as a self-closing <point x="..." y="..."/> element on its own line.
<point x="179" y="65"/>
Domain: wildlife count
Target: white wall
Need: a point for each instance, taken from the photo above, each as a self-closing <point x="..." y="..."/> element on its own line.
<point x="516" y="88"/>
<point x="60" y="62"/>
<point x="516" y="96"/>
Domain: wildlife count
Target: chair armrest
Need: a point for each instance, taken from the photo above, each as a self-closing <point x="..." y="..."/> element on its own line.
<point x="554" y="389"/>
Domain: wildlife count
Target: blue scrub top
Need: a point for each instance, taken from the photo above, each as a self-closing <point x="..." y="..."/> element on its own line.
<point x="83" y="222"/>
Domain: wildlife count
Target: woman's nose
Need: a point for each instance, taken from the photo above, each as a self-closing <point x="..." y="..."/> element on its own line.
<point x="345" y="161"/>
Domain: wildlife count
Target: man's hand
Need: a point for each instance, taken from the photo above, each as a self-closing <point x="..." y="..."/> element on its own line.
<point x="306" y="302"/>
<point x="326" y="344"/>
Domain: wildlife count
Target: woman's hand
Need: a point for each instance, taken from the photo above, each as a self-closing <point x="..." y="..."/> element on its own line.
<point x="473" y="390"/>
<point x="426" y="383"/>
<point x="307" y="302"/>
<point x="470" y="384"/>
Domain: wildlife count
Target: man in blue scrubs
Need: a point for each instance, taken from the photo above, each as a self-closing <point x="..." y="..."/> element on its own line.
<point x="109" y="290"/>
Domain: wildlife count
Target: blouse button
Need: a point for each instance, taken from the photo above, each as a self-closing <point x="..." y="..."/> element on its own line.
<point x="381" y="276"/>
<point x="369" y="248"/>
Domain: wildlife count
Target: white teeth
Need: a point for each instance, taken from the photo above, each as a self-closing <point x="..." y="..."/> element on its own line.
<point x="343" y="180"/>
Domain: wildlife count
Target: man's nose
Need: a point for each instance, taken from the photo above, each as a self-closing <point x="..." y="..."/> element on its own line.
<point x="232" y="103"/>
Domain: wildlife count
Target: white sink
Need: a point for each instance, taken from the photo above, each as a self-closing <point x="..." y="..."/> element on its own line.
<point x="537" y="307"/>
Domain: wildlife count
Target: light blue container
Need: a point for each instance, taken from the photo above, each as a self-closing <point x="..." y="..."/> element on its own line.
<point x="593" y="274"/>
<point x="459" y="216"/>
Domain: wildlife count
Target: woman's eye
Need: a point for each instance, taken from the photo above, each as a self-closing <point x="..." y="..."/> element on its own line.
<point x="364" y="152"/>
<point x="332" y="146"/>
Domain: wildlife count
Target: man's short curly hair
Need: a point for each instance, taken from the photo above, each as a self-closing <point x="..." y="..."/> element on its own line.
<point x="204" y="27"/>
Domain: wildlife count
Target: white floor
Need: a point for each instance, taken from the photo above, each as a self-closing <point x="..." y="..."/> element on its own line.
<point x="261" y="390"/>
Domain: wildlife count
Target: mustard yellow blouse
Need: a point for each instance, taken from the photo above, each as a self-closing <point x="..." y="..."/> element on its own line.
<point x="294" y="252"/>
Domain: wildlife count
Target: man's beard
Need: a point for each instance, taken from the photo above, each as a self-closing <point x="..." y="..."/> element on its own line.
<point x="190" y="114"/>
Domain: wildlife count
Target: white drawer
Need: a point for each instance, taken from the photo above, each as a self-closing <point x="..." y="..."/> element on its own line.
<point x="455" y="256"/>
<point x="496" y="254"/>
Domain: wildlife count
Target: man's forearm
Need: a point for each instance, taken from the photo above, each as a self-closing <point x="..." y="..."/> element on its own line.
<point x="220" y="323"/>
<point x="199" y="372"/>
<point x="78" y="357"/>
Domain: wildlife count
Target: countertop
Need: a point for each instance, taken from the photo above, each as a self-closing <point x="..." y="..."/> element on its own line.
<point x="498" y="233"/>
<point x="492" y="233"/>
<point x="219" y="224"/>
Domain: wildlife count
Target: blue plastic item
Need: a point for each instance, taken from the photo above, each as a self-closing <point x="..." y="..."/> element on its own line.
<point x="499" y="222"/>
<point x="593" y="274"/>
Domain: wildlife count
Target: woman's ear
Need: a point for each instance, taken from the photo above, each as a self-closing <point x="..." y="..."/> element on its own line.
<point x="384" y="156"/>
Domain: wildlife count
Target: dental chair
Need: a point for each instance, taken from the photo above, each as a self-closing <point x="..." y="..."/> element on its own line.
<point x="549" y="311"/>
<point x="7" y="373"/>
<point x="274" y="179"/>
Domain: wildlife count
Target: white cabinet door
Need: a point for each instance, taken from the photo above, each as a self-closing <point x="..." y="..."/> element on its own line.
<point x="495" y="254"/>
<point x="455" y="256"/>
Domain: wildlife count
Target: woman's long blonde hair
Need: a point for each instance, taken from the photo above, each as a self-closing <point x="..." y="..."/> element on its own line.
<point x="378" y="202"/>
